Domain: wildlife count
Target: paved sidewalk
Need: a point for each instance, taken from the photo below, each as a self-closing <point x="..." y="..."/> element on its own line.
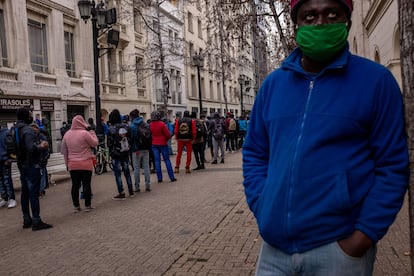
<point x="199" y="225"/>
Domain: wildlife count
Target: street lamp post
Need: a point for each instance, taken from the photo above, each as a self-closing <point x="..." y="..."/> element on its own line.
<point x="198" y="62"/>
<point x="241" y="81"/>
<point x="100" y="20"/>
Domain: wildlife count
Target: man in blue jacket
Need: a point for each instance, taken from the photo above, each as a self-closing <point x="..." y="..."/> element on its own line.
<point x="140" y="153"/>
<point x="29" y="163"/>
<point x="325" y="161"/>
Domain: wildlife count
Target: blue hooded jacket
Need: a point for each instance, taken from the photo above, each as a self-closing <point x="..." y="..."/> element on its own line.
<point x="326" y="153"/>
<point x="134" y="132"/>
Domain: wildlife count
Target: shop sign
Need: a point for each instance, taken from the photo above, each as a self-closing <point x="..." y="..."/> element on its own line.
<point x="47" y="105"/>
<point x="14" y="104"/>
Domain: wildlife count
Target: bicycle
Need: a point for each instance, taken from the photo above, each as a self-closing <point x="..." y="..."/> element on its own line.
<point x="102" y="159"/>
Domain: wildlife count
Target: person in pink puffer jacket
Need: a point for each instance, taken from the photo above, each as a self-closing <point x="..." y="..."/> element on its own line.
<point x="76" y="148"/>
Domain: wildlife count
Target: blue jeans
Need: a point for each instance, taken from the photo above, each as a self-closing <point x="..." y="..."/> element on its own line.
<point x="328" y="259"/>
<point x="118" y="165"/>
<point x="44" y="179"/>
<point x="216" y="145"/>
<point x="170" y="150"/>
<point x="139" y="158"/>
<point x="30" y="181"/>
<point x="158" y="151"/>
<point x="6" y="182"/>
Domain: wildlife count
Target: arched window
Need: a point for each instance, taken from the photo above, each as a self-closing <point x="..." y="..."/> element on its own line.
<point x="396" y="46"/>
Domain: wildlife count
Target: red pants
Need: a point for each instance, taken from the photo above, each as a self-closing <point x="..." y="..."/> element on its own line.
<point x="189" y="146"/>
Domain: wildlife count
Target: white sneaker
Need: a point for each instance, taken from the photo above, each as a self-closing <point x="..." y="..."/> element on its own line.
<point x="12" y="203"/>
<point x="3" y="203"/>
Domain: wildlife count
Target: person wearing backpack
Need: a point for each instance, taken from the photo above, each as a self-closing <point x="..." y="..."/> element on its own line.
<point x="185" y="133"/>
<point x="217" y="128"/>
<point x="44" y="180"/>
<point x="29" y="157"/>
<point x="119" y="141"/>
<point x="8" y="197"/>
<point x="231" y="132"/>
<point x="198" y="143"/>
<point x="141" y="138"/>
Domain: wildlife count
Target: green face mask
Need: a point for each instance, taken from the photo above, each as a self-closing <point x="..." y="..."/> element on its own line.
<point x="322" y="42"/>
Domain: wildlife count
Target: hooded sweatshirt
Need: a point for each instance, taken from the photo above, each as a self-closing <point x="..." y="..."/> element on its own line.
<point x="326" y="154"/>
<point x="77" y="144"/>
<point x="134" y="131"/>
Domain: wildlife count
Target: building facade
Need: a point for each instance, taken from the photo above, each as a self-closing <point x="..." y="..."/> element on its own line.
<point x="47" y="60"/>
<point x="37" y="68"/>
<point x="375" y="33"/>
<point x="219" y="52"/>
<point x="47" y="63"/>
<point x="165" y="57"/>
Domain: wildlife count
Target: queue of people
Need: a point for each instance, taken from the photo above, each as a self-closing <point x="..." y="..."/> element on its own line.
<point x="133" y="143"/>
<point x="130" y="141"/>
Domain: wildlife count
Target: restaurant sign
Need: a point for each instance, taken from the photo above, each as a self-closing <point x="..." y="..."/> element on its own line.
<point x="14" y="104"/>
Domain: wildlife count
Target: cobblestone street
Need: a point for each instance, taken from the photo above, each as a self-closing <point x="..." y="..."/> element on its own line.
<point x="199" y="225"/>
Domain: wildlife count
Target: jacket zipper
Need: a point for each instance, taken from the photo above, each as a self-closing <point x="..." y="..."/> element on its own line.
<point x="295" y="155"/>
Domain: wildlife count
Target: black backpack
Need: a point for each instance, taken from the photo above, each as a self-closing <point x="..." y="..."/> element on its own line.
<point x="144" y="137"/>
<point x="12" y="142"/>
<point x="184" y="128"/>
<point x="119" y="143"/>
<point x="199" y="129"/>
<point x="218" y="131"/>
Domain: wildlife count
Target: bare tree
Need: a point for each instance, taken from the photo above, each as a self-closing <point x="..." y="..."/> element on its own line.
<point x="406" y="24"/>
<point x="161" y="49"/>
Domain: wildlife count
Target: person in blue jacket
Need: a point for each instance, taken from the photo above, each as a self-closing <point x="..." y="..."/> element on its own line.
<point x="325" y="160"/>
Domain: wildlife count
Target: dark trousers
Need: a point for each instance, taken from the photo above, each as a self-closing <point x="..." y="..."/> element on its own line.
<point x="30" y="181"/>
<point x="198" y="150"/>
<point x="230" y="143"/>
<point x="6" y="182"/>
<point x="152" y="160"/>
<point x="81" y="178"/>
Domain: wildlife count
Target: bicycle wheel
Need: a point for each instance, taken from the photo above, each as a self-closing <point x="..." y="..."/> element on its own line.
<point x="110" y="162"/>
<point x="99" y="163"/>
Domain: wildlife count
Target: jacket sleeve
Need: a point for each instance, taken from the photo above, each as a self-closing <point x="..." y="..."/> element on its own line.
<point x="166" y="132"/>
<point x="176" y="129"/>
<point x="193" y="129"/>
<point x="255" y="155"/>
<point x="30" y="141"/>
<point x="390" y="152"/>
<point x="64" y="150"/>
<point x="92" y="139"/>
<point x="110" y="139"/>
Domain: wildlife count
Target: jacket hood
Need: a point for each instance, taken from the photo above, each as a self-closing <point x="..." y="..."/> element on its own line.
<point x="137" y="121"/>
<point x="78" y="122"/>
<point x="20" y="124"/>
